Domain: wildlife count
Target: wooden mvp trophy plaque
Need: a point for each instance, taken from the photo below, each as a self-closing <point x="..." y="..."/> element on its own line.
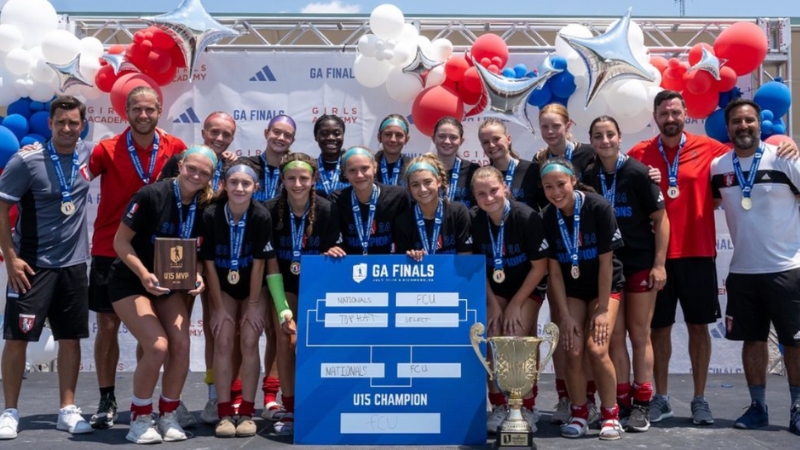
<point x="175" y="263"/>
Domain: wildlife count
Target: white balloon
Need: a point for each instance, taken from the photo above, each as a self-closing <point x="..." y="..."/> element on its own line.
<point x="573" y="29"/>
<point x="8" y="94"/>
<point x="635" y="33"/>
<point x="391" y="44"/>
<point x="386" y="21"/>
<point x="370" y="72"/>
<point x="91" y="47"/>
<point x="625" y="98"/>
<point x="23" y="86"/>
<point x="409" y="33"/>
<point x="583" y="116"/>
<point x="436" y="76"/>
<point x="10" y="38"/>
<point x="60" y="47"/>
<point x="636" y="123"/>
<point x="425" y="44"/>
<point x="90" y="93"/>
<point x="89" y="67"/>
<point x="402" y="86"/>
<point x="33" y="18"/>
<point x="404" y="53"/>
<point x="576" y="66"/>
<point x="385" y="55"/>
<point x="441" y="49"/>
<point x="41" y="71"/>
<point x="366" y="45"/>
<point x="19" y="61"/>
<point x="652" y="91"/>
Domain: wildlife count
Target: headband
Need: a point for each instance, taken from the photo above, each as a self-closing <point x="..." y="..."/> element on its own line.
<point x="389" y="121"/>
<point x="298" y="165"/>
<point x="422" y="165"/>
<point x="356" y="151"/>
<point x="243" y="168"/>
<point x="556" y="167"/>
<point x="201" y="150"/>
<point x="282" y="118"/>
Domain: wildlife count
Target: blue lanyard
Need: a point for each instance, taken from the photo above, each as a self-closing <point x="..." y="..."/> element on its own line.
<point x="297" y="233"/>
<point x="451" y="190"/>
<point x="567" y="152"/>
<point x="672" y="169"/>
<point x="364" y="233"/>
<point x="395" y="171"/>
<point x="269" y="189"/>
<point x="573" y="244"/>
<point x="217" y="176"/>
<point x="497" y="244"/>
<point x="66" y="189"/>
<point x="236" y="235"/>
<point x="184" y="228"/>
<point x="747" y="185"/>
<point x="138" y="165"/>
<point x="610" y="194"/>
<point x="429" y="245"/>
<point x="512" y="167"/>
<point x="329" y="179"/>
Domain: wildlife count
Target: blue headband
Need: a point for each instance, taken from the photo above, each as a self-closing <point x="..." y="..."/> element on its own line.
<point x="282" y="118"/>
<point x="556" y="167"/>
<point x="201" y="150"/>
<point x="243" y="168"/>
<point x="356" y="151"/>
<point x="389" y="121"/>
<point x="421" y="165"/>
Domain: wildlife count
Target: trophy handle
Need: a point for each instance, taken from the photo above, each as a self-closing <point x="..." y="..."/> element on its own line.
<point x="475" y="337"/>
<point x="550" y="329"/>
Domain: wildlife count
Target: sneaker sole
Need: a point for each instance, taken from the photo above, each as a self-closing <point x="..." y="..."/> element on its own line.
<point x="173" y="439"/>
<point x="610" y="438"/>
<point x="741" y="426"/>
<point x="141" y="442"/>
<point x="97" y="424"/>
<point x="702" y="422"/>
<point x="246" y="434"/>
<point x="639" y="429"/>
<point x="663" y="416"/>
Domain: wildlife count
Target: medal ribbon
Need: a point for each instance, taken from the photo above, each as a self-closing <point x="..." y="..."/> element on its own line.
<point x="184" y="228"/>
<point x="512" y="167"/>
<point x="297" y="233"/>
<point x="364" y="233"/>
<point x="567" y="152"/>
<point x="497" y="244"/>
<point x="429" y="245"/>
<point x="269" y="188"/>
<point x="572" y="244"/>
<point x="672" y="169"/>
<point x="236" y="236"/>
<point x="610" y="194"/>
<point x="329" y="179"/>
<point x="747" y="185"/>
<point x="138" y="165"/>
<point x="395" y="171"/>
<point x="66" y="189"/>
<point x="451" y="191"/>
<point x="217" y="176"/>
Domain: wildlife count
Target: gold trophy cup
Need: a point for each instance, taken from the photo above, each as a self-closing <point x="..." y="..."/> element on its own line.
<point x="517" y="365"/>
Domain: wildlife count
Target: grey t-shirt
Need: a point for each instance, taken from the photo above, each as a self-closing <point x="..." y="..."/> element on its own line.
<point x="44" y="237"/>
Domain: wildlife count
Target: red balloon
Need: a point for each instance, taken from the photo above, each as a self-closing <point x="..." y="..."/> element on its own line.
<point x="744" y="45"/>
<point x="105" y="78"/>
<point x="161" y="39"/>
<point x="671" y="80"/>
<point x="125" y="84"/>
<point x="116" y="49"/>
<point x="700" y="106"/>
<point x="660" y="63"/>
<point x="166" y="77"/>
<point x="727" y="80"/>
<point x="472" y="80"/>
<point x="696" y="52"/>
<point x="177" y="57"/>
<point x="488" y="46"/>
<point x="467" y="96"/>
<point x="683" y="67"/>
<point x="455" y="67"/>
<point x="468" y="57"/>
<point x="136" y="56"/>
<point x="449" y="83"/>
<point x="497" y="61"/>
<point x="494" y="69"/>
<point x="778" y="139"/>
<point x="432" y="104"/>
<point x="138" y="37"/>
<point x="674" y="63"/>
<point x="158" y="61"/>
<point x="698" y="81"/>
<point x="485" y="62"/>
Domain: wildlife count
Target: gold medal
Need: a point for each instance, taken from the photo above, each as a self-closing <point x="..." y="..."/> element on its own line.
<point x="233" y="276"/>
<point x="673" y="192"/>
<point x="747" y="203"/>
<point x="499" y="276"/>
<point x="575" y="272"/>
<point x="295" y="268"/>
<point x="68" y="208"/>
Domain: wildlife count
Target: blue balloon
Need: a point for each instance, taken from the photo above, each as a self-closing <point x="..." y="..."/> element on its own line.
<point x="17" y="124"/>
<point x="520" y="70"/>
<point x="21" y="107"/>
<point x="778" y="127"/>
<point x="563" y="84"/>
<point x="39" y="125"/>
<point x="9" y="145"/>
<point x="85" y="131"/>
<point x="766" y="114"/>
<point x="715" y="126"/>
<point x="31" y="139"/>
<point x="766" y="127"/>
<point x="774" y="96"/>
<point x="37" y="106"/>
<point x="1" y="120"/>
<point x="726" y="97"/>
<point x="530" y="74"/>
<point x="540" y="97"/>
<point x="561" y="100"/>
<point x="508" y="73"/>
<point x="558" y="62"/>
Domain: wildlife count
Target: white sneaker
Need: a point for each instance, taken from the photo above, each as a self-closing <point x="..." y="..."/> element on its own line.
<point x="143" y="431"/>
<point x="185" y="418"/>
<point x="531" y="417"/>
<point x="70" y="419"/>
<point x="594" y="414"/>
<point x="273" y="411"/>
<point x="285" y="427"/>
<point x="496" y="418"/>
<point x="209" y="414"/>
<point x="562" y="413"/>
<point x="169" y="427"/>
<point x="9" y="422"/>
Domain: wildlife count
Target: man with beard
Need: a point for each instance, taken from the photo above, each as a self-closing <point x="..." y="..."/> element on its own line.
<point x="46" y="259"/>
<point x="691" y="271"/>
<point x="218" y="132"/>
<point x="756" y="188"/>
<point x="126" y="162"/>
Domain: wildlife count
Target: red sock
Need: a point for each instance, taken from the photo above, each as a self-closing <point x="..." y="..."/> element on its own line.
<point x="141" y="410"/>
<point x="561" y="388"/>
<point x="167" y="405"/>
<point x="247" y="408"/>
<point x="288" y="403"/>
<point x="270" y="386"/>
<point x="496" y="398"/>
<point x="642" y="393"/>
<point x="530" y="403"/>
<point x="624" y="394"/>
<point x="581" y="412"/>
<point x="610" y="413"/>
<point x="591" y="389"/>
<point x="224" y="409"/>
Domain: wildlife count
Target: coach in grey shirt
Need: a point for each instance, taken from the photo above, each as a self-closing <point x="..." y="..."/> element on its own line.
<point x="46" y="261"/>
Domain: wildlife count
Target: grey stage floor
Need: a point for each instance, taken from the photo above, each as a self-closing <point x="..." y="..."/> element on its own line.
<point x="726" y="393"/>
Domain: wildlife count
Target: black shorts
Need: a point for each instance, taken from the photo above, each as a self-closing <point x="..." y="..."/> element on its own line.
<point x="693" y="283"/>
<point x="59" y="295"/>
<point x="99" y="300"/>
<point x="123" y="283"/>
<point x="755" y="300"/>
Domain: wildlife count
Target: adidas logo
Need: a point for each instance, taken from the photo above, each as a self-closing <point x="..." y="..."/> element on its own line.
<point x="544" y="245"/>
<point x="188" y="116"/>
<point x="644" y="283"/>
<point x="469" y="241"/>
<point x="617" y="235"/>
<point x="660" y="196"/>
<point x="767" y="177"/>
<point x="268" y="247"/>
<point x="796" y="336"/>
<point x="265" y="74"/>
<point x="718" y="331"/>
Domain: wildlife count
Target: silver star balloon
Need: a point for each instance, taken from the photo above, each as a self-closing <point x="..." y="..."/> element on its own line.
<point x="507" y="98"/>
<point x="420" y="65"/>
<point x="608" y="57"/>
<point x="708" y="62"/>
<point x="69" y="74"/>
<point x="193" y="29"/>
<point x="119" y="63"/>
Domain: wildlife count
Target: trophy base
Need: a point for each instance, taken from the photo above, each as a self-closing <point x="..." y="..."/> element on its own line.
<point x="510" y="440"/>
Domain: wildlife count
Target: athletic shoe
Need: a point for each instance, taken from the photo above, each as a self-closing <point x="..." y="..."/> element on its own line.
<point x="225" y="428"/>
<point x="209" y="414"/>
<point x="594" y="414"/>
<point x="561" y="413"/>
<point x="576" y="428"/>
<point x="639" y="419"/>
<point x="531" y="417"/>
<point x="285" y="426"/>
<point x="660" y="409"/>
<point x="106" y="414"/>
<point x="71" y="420"/>
<point x="611" y="430"/>
<point x="273" y="411"/>
<point x="756" y="416"/>
<point x="701" y="412"/>
<point x="169" y="427"/>
<point x="9" y="422"/>
<point x="496" y="418"/>
<point x="143" y="431"/>
<point x="794" y="419"/>
<point x="624" y="414"/>
<point x="185" y="418"/>
<point x="245" y="427"/>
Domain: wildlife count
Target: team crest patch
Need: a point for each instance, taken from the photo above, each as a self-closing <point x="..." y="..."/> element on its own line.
<point x="26" y="322"/>
<point x="132" y="210"/>
<point x="728" y="179"/>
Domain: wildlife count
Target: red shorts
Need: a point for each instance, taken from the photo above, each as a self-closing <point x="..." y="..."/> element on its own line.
<point x="536" y="297"/>
<point x="638" y="282"/>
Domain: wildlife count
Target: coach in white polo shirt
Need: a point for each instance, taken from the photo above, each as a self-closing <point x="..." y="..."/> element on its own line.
<point x="758" y="193"/>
